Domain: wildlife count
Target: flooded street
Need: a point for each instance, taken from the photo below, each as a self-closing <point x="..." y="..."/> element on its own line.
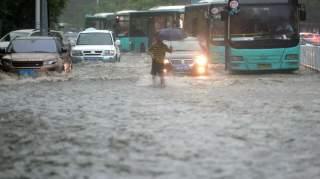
<point x="106" y="120"/>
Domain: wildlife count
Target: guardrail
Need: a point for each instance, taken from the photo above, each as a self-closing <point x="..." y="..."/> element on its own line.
<point x="310" y="57"/>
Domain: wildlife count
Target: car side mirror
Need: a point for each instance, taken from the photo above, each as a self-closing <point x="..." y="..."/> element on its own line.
<point x="2" y="50"/>
<point x="72" y="43"/>
<point x="64" y="50"/>
<point x="118" y="43"/>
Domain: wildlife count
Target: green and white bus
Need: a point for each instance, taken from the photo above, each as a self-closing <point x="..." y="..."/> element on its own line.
<point x="100" y="21"/>
<point x="137" y="28"/>
<point x="264" y="35"/>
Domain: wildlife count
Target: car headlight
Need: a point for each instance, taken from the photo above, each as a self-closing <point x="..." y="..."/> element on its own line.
<point x="76" y="53"/>
<point x="109" y="52"/>
<point x="201" y="60"/>
<point x="50" y="62"/>
<point x="6" y="62"/>
<point x="166" y="61"/>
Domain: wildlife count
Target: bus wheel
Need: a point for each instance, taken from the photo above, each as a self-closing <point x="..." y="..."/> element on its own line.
<point x="290" y="71"/>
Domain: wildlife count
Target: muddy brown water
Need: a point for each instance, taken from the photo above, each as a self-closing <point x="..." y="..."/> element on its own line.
<point x="109" y="121"/>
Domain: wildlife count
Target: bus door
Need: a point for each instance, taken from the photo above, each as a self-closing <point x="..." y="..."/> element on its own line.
<point x="217" y="30"/>
<point x="138" y="32"/>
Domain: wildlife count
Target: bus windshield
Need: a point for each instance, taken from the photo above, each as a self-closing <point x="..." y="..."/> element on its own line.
<point x="266" y="22"/>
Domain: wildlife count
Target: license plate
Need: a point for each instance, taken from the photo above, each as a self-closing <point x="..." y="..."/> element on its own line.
<point x="92" y="58"/>
<point x="182" y="67"/>
<point x="27" y="72"/>
<point x="264" y="66"/>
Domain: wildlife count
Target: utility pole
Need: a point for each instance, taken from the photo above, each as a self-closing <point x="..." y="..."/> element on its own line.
<point x="37" y="19"/>
<point x="231" y="10"/>
<point x="44" y="18"/>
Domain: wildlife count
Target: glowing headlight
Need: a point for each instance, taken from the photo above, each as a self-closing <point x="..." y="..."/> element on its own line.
<point x="166" y="61"/>
<point x="76" y="53"/>
<point x="165" y="71"/>
<point x="201" y="70"/>
<point x="201" y="60"/>
<point x="50" y="62"/>
<point x="109" y="52"/>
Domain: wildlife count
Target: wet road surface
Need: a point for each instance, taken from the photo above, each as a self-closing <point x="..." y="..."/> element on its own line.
<point x="109" y="121"/>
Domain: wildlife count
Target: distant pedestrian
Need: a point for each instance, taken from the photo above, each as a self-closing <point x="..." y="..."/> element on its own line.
<point x="158" y="52"/>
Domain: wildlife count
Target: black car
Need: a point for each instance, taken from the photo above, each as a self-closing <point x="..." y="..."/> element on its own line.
<point x="187" y="57"/>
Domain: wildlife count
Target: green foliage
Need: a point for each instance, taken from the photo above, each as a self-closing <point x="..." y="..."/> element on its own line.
<point x="312" y="7"/>
<point x="56" y="7"/>
<point x="19" y="14"/>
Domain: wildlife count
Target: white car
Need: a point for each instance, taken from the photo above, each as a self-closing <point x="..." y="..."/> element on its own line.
<point x="96" y="45"/>
<point x="5" y="40"/>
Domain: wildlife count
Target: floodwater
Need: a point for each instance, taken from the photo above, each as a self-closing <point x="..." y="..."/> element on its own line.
<point x="109" y="121"/>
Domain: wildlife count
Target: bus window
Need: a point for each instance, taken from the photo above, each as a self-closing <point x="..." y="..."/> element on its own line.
<point x="194" y="26"/>
<point x="181" y="19"/>
<point x="124" y="26"/>
<point x="217" y="31"/>
<point x="159" y="23"/>
<point x="139" y="26"/>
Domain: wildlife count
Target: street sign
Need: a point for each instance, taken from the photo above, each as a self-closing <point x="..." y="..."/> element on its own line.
<point x="233" y="4"/>
<point x="233" y="7"/>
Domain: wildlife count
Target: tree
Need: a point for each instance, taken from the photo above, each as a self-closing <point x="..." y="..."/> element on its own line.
<point x="312" y="8"/>
<point x="20" y="14"/>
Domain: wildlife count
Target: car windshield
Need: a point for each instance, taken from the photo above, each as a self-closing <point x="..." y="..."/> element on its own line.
<point x="184" y="45"/>
<point x="34" y="46"/>
<point x="94" y="39"/>
<point x="264" y="23"/>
